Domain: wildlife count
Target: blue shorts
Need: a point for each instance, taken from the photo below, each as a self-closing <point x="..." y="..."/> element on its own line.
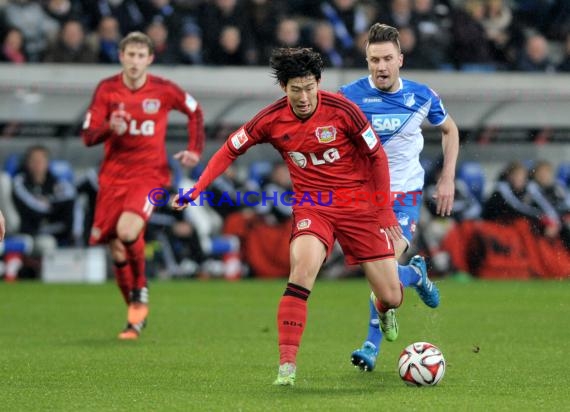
<point x="407" y="208"/>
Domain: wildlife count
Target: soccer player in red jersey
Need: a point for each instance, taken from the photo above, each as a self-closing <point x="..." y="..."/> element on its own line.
<point x="330" y="149"/>
<point x="129" y="114"/>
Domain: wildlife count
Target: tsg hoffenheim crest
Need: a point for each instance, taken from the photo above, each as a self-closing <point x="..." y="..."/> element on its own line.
<point x="409" y="99"/>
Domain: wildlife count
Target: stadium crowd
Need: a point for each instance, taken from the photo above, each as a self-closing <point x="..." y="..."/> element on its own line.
<point x="470" y="35"/>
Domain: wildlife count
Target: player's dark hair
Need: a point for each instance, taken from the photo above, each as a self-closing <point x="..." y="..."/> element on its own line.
<point x="288" y="63"/>
<point x="381" y="33"/>
<point x="137" y="37"/>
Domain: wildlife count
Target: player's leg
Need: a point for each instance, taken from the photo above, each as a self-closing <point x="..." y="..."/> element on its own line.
<point x="414" y="274"/>
<point x="363" y="241"/>
<point x="121" y="268"/>
<point x="387" y="293"/>
<point x="307" y="255"/>
<point x="130" y="229"/>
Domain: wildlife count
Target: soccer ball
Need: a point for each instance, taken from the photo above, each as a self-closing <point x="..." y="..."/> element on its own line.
<point x="421" y="364"/>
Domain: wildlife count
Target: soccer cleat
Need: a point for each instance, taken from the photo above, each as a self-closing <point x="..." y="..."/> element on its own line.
<point x="365" y="357"/>
<point x="389" y="324"/>
<point x="427" y="290"/>
<point x="132" y="331"/>
<point x="286" y="375"/>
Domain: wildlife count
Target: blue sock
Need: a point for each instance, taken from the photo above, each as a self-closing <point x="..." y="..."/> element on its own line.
<point x="408" y="276"/>
<point x="374" y="332"/>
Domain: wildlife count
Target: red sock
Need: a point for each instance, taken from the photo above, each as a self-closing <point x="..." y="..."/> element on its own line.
<point x="136" y="259"/>
<point x="291" y="319"/>
<point x="380" y="306"/>
<point x="124" y="278"/>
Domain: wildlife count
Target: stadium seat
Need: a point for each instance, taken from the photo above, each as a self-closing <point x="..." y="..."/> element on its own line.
<point x="473" y="175"/>
<point x="62" y="169"/>
<point x="259" y="170"/>
<point x="563" y="174"/>
<point x="12" y="164"/>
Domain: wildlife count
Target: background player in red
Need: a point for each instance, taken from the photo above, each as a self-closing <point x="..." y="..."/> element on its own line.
<point x="129" y="113"/>
<point x="330" y="149"/>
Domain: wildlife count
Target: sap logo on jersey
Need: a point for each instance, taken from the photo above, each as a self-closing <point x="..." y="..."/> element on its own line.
<point x="388" y="123"/>
<point x="328" y="156"/>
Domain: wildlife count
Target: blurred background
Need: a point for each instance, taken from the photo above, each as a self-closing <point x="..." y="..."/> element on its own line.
<point x="501" y="68"/>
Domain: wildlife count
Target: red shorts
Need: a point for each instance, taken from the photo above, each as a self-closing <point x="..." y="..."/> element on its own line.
<point x="111" y="202"/>
<point x="359" y="234"/>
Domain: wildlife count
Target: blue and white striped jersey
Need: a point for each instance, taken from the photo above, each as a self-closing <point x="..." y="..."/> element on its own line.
<point x="397" y="118"/>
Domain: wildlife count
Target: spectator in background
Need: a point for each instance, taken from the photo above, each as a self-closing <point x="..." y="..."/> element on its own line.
<point x="469" y="41"/>
<point x="45" y="205"/>
<point x="230" y="50"/>
<point x="543" y="186"/>
<point x="564" y="66"/>
<point x="168" y="13"/>
<point x="36" y="25"/>
<point x="535" y="56"/>
<point x="71" y="46"/>
<point x="108" y="36"/>
<point x="13" y="47"/>
<point x="164" y="53"/>
<point x="288" y="33"/>
<point x="400" y="13"/>
<point x="432" y="31"/>
<point x="503" y="32"/>
<point x="323" y="41"/>
<point x="127" y="12"/>
<point x="415" y="57"/>
<point x="261" y="19"/>
<point x="349" y="21"/>
<point x="191" y="51"/>
<point x="511" y="200"/>
<point x="217" y="15"/>
<point x="44" y="202"/>
<point x="63" y="10"/>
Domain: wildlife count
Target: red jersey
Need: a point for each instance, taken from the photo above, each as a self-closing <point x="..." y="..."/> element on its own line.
<point x="335" y="149"/>
<point x="139" y="153"/>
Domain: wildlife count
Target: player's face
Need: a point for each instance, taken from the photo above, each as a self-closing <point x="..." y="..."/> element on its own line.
<point x="135" y="59"/>
<point x="302" y="95"/>
<point x="384" y="62"/>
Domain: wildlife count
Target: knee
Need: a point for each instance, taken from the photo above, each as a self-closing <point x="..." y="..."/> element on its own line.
<point x="127" y="234"/>
<point x="392" y="297"/>
<point x="303" y="276"/>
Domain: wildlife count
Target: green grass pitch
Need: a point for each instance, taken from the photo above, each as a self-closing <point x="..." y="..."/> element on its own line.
<point x="212" y="346"/>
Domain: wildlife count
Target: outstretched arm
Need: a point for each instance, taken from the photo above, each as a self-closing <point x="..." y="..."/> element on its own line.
<point x="219" y="162"/>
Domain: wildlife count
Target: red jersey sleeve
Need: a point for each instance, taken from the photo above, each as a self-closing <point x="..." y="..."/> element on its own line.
<point x="184" y="102"/>
<point x="96" y="123"/>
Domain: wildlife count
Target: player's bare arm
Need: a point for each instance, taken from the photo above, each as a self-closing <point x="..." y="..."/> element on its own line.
<point x="445" y="188"/>
<point x="2" y="226"/>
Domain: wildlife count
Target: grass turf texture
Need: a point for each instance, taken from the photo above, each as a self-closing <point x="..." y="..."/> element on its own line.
<point x="213" y="346"/>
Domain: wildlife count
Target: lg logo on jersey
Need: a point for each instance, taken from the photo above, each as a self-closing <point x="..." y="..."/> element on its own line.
<point x="146" y="128"/>
<point x="328" y="156"/>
